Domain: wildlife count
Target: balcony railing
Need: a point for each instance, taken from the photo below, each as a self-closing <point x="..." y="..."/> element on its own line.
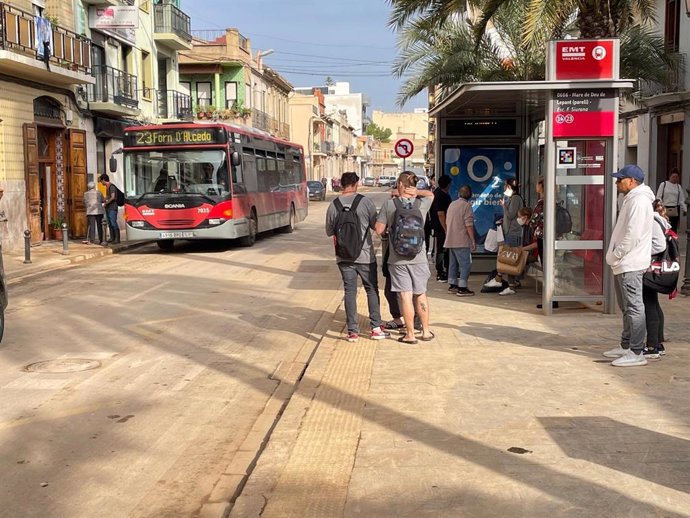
<point x="114" y="86"/>
<point x="174" y="105"/>
<point x="18" y="34"/>
<point x="675" y="79"/>
<point x="169" y="19"/>
<point x="260" y="120"/>
<point x="264" y="121"/>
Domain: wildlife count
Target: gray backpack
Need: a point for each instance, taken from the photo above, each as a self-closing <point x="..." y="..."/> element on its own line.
<point x="407" y="234"/>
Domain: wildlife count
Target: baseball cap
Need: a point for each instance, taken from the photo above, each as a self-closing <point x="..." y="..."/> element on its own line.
<point x="630" y="171"/>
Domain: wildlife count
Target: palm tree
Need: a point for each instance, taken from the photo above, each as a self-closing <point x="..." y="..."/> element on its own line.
<point x="438" y="46"/>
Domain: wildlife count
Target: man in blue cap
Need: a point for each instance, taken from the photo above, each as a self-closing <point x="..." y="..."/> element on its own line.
<point x="629" y="255"/>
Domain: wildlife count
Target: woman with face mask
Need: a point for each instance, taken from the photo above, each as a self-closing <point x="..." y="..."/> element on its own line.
<point x="512" y="230"/>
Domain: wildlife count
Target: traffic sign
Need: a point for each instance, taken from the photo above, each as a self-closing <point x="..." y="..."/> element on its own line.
<point x="404" y="148"/>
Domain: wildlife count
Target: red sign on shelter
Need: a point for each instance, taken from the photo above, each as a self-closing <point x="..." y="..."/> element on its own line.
<point x="584" y="59"/>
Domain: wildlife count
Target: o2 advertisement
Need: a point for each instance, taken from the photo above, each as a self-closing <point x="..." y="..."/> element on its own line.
<point x="485" y="170"/>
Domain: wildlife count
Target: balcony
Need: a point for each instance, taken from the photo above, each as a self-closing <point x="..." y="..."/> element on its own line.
<point x="265" y="122"/>
<point x="171" y="27"/>
<point x="103" y="2"/>
<point x="70" y="60"/>
<point x="675" y="81"/>
<point x="174" y="105"/>
<point x="114" y="93"/>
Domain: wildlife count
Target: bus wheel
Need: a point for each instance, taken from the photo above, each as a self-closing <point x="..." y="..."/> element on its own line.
<point x="250" y="239"/>
<point x="166" y="244"/>
<point x="290" y="227"/>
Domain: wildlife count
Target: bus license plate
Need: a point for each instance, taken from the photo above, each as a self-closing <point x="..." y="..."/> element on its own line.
<point x="173" y="235"/>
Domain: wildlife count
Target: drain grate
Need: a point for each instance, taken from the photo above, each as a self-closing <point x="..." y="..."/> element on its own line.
<point x="63" y="366"/>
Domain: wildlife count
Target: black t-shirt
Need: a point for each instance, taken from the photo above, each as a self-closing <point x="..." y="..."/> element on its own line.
<point x="442" y="201"/>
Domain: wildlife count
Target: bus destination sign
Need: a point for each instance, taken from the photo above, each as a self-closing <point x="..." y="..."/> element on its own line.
<point x="175" y="137"/>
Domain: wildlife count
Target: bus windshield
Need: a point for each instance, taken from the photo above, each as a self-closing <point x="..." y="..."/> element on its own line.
<point x="155" y="173"/>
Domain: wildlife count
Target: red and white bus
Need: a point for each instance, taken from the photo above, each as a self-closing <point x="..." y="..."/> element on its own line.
<point x="210" y="181"/>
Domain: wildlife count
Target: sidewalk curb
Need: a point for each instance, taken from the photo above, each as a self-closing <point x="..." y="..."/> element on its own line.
<point x="231" y="483"/>
<point x="64" y="262"/>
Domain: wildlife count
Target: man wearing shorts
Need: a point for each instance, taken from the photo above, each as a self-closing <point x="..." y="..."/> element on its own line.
<point x="409" y="275"/>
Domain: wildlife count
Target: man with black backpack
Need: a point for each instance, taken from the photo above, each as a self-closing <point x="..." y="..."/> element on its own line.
<point x="404" y="217"/>
<point x="350" y="219"/>
<point x="111" y="204"/>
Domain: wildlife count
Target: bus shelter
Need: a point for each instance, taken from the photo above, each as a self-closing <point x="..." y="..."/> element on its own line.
<point x="487" y="132"/>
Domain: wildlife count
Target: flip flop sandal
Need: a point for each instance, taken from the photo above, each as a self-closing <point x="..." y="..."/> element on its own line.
<point x="427" y="338"/>
<point x="409" y="342"/>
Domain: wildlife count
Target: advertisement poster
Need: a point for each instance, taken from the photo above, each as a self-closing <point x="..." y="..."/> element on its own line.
<point x="485" y="170"/>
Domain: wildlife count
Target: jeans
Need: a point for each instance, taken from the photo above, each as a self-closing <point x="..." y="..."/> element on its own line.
<point x="442" y="255"/>
<point x="112" y="222"/>
<point x="629" y="294"/>
<point x="460" y="266"/>
<point x="95" y="228"/>
<point x="369" y="275"/>
<point x="654" y="317"/>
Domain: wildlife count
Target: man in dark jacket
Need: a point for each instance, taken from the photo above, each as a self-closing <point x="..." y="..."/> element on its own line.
<point x="439" y="207"/>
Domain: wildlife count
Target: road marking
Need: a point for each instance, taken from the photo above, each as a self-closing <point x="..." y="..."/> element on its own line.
<point x="145" y="292"/>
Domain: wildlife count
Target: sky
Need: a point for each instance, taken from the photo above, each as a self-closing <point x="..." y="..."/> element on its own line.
<point x="348" y="40"/>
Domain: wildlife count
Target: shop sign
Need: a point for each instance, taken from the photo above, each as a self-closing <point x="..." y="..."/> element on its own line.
<point x="584" y="59"/>
<point x="584" y="113"/>
<point x="114" y="17"/>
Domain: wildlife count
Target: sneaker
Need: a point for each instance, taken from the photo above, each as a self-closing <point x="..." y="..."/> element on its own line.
<point x="352" y="336"/>
<point x="508" y="291"/>
<point x="442" y="279"/>
<point x="615" y="353"/>
<point x="379" y="334"/>
<point x="453" y="288"/>
<point x="661" y="349"/>
<point x="630" y="359"/>
<point x="392" y="324"/>
<point x="464" y="292"/>
<point x="493" y="283"/>
<point x="650" y="352"/>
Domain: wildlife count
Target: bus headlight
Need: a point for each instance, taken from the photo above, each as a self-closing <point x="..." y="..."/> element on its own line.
<point x="137" y="224"/>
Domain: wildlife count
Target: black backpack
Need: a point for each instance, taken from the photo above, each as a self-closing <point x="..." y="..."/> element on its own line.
<point x="407" y="231"/>
<point x="564" y="222"/>
<point x="664" y="271"/>
<point x="348" y="237"/>
<point x="120" y="198"/>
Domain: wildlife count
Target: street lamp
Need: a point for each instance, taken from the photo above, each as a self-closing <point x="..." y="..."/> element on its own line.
<point x="685" y="289"/>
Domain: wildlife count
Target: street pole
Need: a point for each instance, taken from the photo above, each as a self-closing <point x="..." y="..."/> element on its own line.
<point x="404" y="164"/>
<point x="685" y="290"/>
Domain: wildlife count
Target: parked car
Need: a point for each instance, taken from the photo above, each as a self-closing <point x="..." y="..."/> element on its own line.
<point x="3" y="296"/>
<point x="316" y="191"/>
<point x="387" y="181"/>
<point x="369" y="181"/>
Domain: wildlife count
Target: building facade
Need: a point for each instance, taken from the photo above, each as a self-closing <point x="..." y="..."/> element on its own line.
<point x="69" y="84"/>
<point x="413" y="126"/>
<point x="228" y="81"/>
<point x="338" y="97"/>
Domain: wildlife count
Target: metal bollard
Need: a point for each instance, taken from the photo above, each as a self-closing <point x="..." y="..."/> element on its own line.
<point x="65" y="240"/>
<point x="27" y="247"/>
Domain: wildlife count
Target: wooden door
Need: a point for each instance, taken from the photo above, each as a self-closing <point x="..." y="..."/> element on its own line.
<point x="32" y="180"/>
<point x="76" y="182"/>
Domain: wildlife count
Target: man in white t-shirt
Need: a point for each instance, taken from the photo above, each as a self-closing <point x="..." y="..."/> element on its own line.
<point x="672" y="196"/>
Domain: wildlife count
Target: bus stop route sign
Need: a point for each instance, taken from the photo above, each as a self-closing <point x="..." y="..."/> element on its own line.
<point x="404" y="148"/>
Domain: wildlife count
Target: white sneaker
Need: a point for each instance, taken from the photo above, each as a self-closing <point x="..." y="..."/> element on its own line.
<point x="508" y="291"/>
<point x="615" y="353"/>
<point x="630" y="359"/>
<point x="493" y="283"/>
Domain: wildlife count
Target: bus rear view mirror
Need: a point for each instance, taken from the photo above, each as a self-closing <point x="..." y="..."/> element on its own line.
<point x="113" y="164"/>
<point x="235" y="158"/>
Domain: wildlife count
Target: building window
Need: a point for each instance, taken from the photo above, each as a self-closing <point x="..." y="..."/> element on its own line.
<point x="147" y="74"/>
<point x="230" y="93"/>
<point x="100" y="157"/>
<point x="672" y="25"/>
<point x="203" y="94"/>
<point x="186" y="87"/>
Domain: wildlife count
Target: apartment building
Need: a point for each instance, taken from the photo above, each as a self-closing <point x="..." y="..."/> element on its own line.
<point x="653" y="131"/>
<point x="228" y="81"/>
<point x="339" y="97"/>
<point x="410" y="125"/>
<point x="73" y="74"/>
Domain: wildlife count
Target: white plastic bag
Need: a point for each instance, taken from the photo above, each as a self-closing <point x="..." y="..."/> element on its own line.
<point x="491" y="241"/>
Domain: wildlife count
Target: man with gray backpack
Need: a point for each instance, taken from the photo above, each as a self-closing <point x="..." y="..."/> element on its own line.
<point x="350" y="219"/>
<point x="404" y="217"/>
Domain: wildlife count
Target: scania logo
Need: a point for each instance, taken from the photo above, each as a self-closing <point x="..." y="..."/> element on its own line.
<point x="175" y="206"/>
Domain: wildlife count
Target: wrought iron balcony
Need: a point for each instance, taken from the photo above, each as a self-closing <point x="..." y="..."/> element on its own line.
<point x="675" y="80"/>
<point x="23" y="35"/>
<point x="113" y="87"/>
<point x="174" y="105"/>
<point x="171" y="26"/>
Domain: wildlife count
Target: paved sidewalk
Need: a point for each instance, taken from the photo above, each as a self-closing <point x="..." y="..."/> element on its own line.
<point x="47" y="256"/>
<point x="506" y="414"/>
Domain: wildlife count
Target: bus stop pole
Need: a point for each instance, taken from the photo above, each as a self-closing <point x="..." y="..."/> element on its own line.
<point x="548" y="266"/>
